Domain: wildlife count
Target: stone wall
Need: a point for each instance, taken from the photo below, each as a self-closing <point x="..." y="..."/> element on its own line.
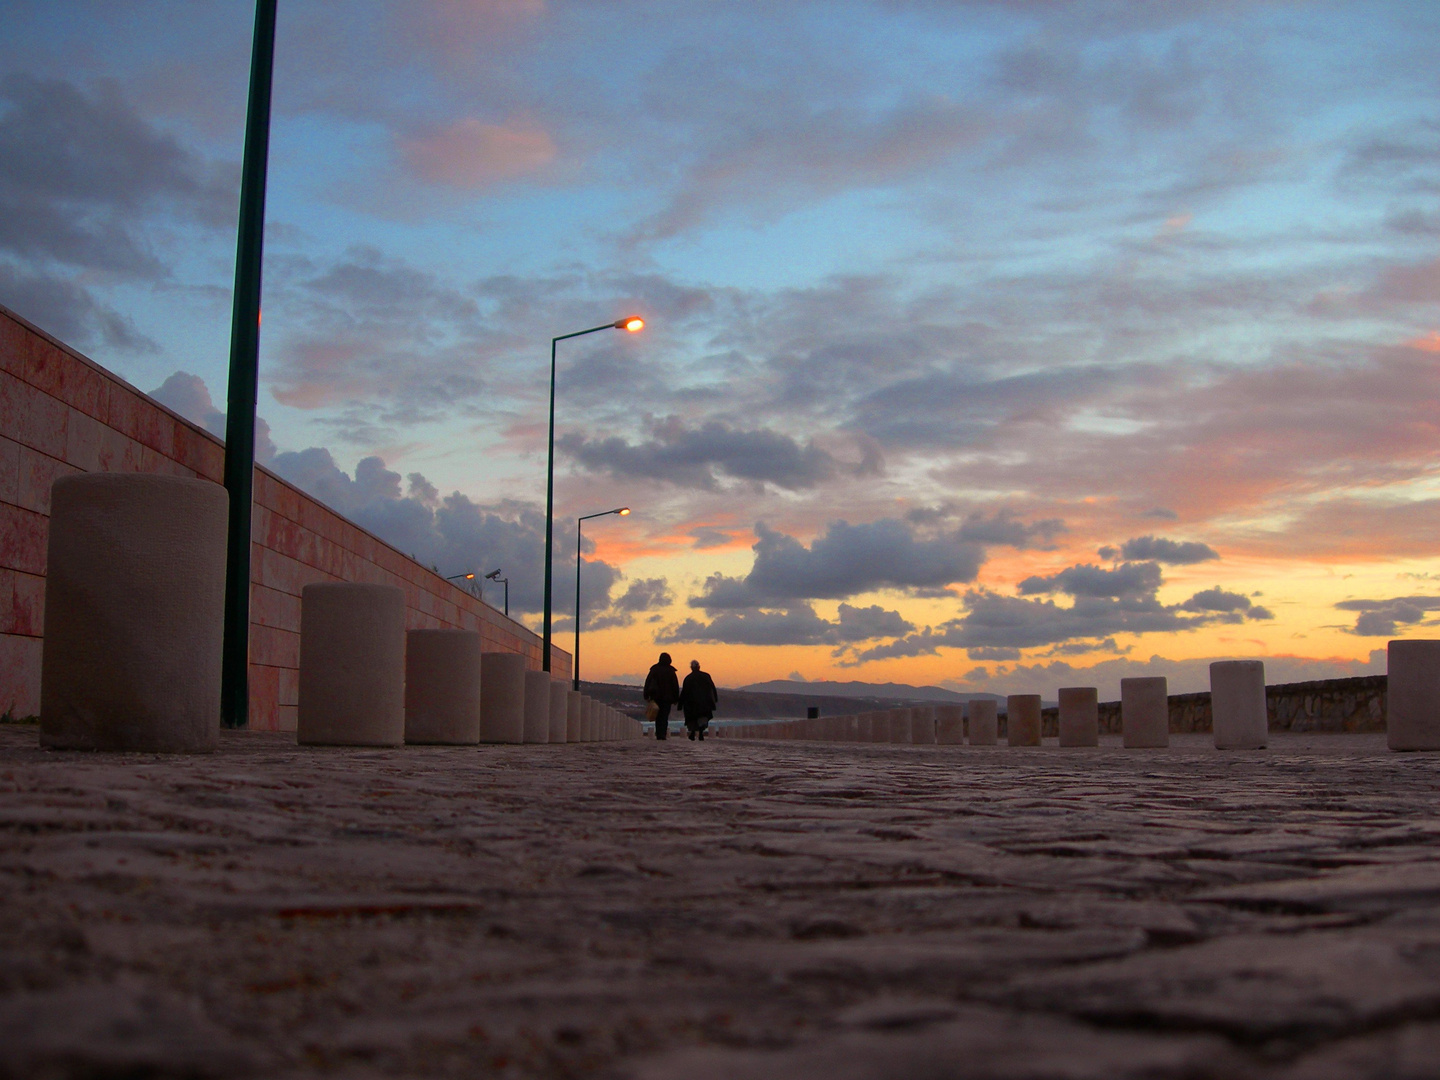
<point x="62" y="413"/>
<point x="1328" y="705"/>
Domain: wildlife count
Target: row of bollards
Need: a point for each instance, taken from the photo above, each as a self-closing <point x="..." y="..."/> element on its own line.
<point x="366" y="681"/>
<point x="131" y="655"/>
<point x="1237" y="703"/>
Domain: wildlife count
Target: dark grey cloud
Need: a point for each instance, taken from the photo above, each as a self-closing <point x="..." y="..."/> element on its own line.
<point x="70" y="312"/>
<point x="84" y="182"/>
<point x="1105" y="603"/>
<point x="1384" y="618"/>
<point x="1174" y="552"/>
<point x="78" y="169"/>
<point x="641" y="597"/>
<point x="795" y="625"/>
<point x="1233" y="605"/>
<point x="1126" y="580"/>
<point x="699" y="457"/>
<point x="844" y="561"/>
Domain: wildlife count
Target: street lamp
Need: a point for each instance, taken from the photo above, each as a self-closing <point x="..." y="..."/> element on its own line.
<point x="462" y="577"/>
<point x="622" y="511"/>
<point x="494" y="575"/>
<point x="634" y="324"/>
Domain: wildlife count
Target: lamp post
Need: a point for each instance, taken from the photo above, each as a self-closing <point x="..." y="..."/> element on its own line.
<point x="460" y="577"/>
<point x="494" y="575"/>
<point x="634" y="324"/>
<point x="622" y="511"/>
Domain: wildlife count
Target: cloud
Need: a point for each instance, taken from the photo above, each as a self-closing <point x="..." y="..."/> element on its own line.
<point x="79" y="170"/>
<point x="70" y="312"/>
<point x="697" y="457"/>
<point x="1105" y="603"/>
<point x="1177" y="553"/>
<point x="89" y="190"/>
<point x="455" y="535"/>
<point x="1128" y="579"/>
<point x="470" y="154"/>
<point x="188" y="395"/>
<point x="795" y="625"/>
<point x="1384" y="618"/>
<point x="846" y="560"/>
<point x="1226" y="603"/>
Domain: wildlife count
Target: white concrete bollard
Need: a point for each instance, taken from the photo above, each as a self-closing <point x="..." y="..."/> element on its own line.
<point x="352" y="665"/>
<point x="537" y="707"/>
<point x="573" y="707"/>
<point x="559" y="694"/>
<point x="1079" y="716"/>
<point x="1412" y="720"/>
<point x="502" y="703"/>
<point x="950" y="724"/>
<point x="1237" y="705"/>
<point x="1145" y="712"/>
<point x="1022" y="720"/>
<point x="442" y="686"/>
<point x="134" y="609"/>
<point x="922" y="725"/>
<point x="898" y="724"/>
<point x="984" y="722"/>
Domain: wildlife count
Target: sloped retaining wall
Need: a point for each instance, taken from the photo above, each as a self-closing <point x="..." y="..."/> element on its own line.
<point x="61" y="413"/>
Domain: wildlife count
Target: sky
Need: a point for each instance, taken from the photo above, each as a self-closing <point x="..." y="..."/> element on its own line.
<point x="990" y="344"/>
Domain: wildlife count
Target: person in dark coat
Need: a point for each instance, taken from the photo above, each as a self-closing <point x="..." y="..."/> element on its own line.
<point x="663" y="688"/>
<point x="698" y="698"/>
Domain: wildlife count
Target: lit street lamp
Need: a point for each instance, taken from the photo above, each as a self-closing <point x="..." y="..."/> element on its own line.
<point x="494" y="575"/>
<point x="634" y="324"/>
<point x="462" y="577"/>
<point x="622" y="511"/>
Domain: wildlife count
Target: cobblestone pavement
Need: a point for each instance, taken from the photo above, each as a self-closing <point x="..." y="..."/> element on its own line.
<point x="734" y="910"/>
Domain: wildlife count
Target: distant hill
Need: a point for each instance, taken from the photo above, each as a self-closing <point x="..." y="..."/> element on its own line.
<point x="792" y="700"/>
<point x="888" y="691"/>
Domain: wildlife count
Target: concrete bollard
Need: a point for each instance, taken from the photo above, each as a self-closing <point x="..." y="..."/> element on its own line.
<point x="899" y="725"/>
<point x="134" y="610"/>
<point x="950" y="724"/>
<point x="352" y="665"/>
<point x="559" y="693"/>
<point x="1145" y="712"/>
<point x="502" y="704"/>
<point x="1412" y="719"/>
<point x="1022" y="720"/>
<point x="865" y="727"/>
<point x="442" y="686"/>
<point x="922" y="725"/>
<point x="984" y="722"/>
<point x="1079" y="716"/>
<point x="1237" y="705"/>
<point x="537" y="707"/>
<point x="573" y="699"/>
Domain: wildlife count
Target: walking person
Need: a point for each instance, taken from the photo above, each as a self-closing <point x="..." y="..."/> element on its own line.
<point x="698" y="698"/>
<point x="663" y="688"/>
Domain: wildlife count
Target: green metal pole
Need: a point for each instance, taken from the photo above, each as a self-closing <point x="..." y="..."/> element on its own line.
<point x="245" y="375"/>
<point x="575" y="658"/>
<point x="549" y="514"/>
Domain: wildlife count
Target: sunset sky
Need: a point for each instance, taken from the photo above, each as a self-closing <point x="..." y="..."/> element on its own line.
<point x="995" y="345"/>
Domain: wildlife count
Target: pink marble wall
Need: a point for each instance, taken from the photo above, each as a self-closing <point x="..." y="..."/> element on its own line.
<point x="61" y="413"/>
